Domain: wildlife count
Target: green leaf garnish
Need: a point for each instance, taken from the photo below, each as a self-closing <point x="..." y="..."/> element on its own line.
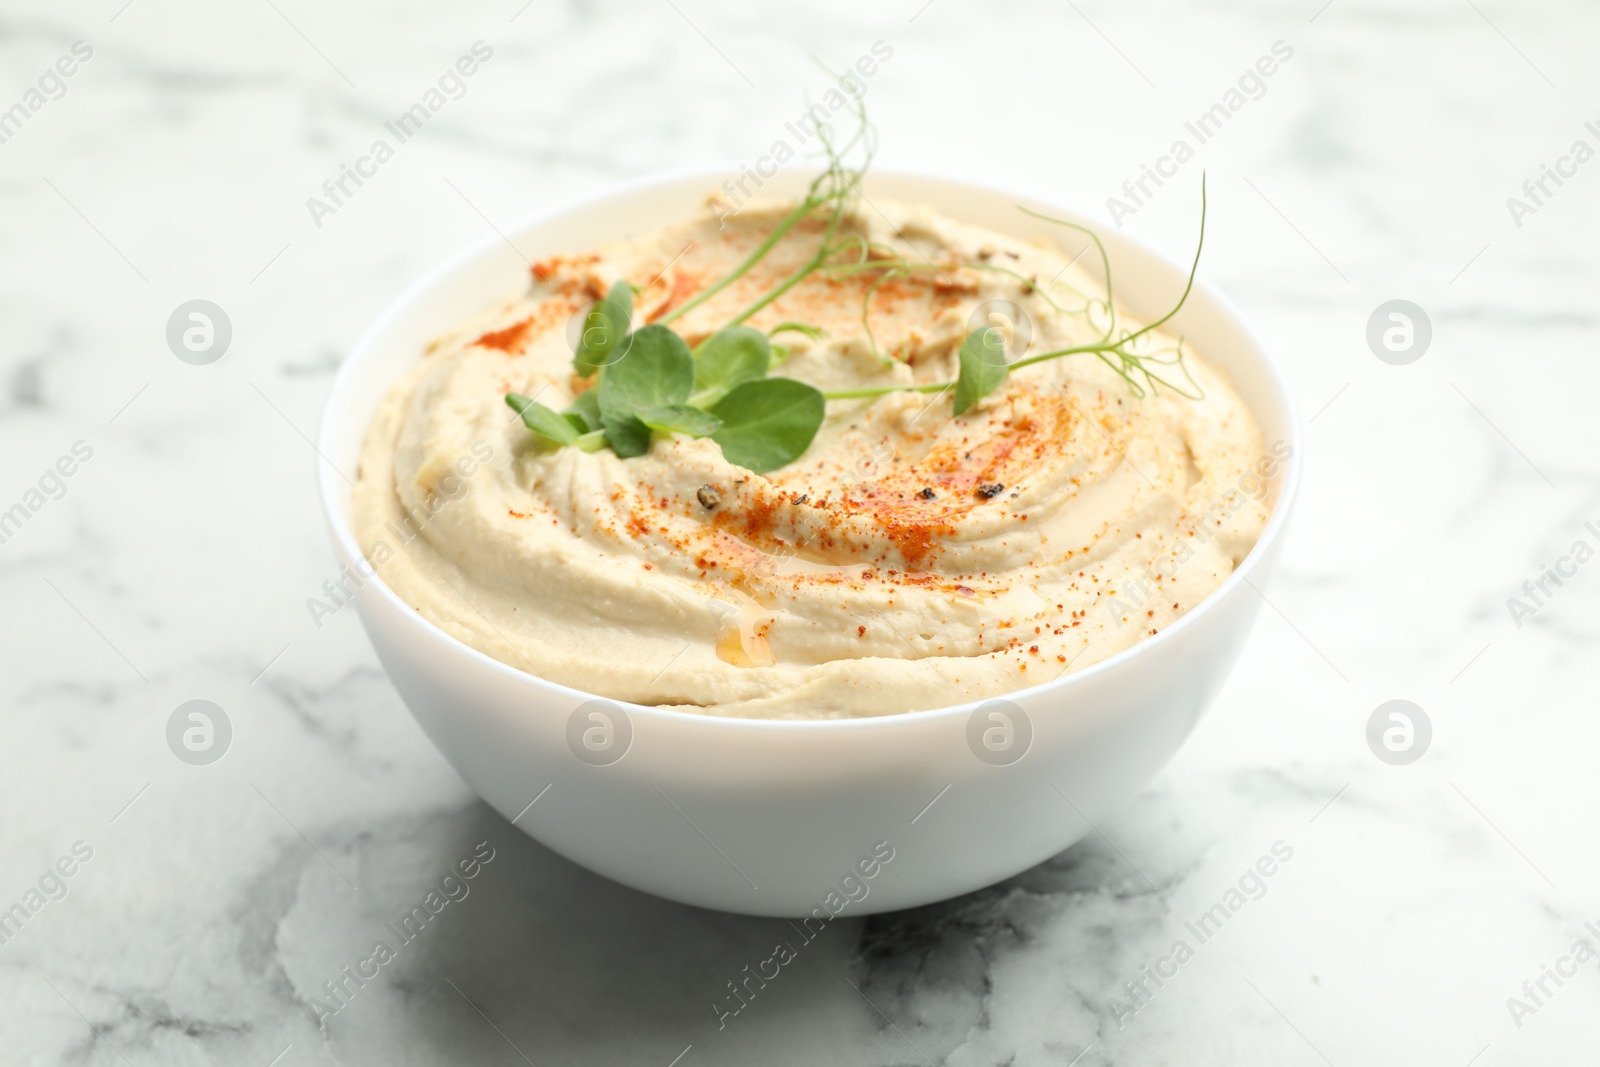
<point x="983" y="367"/>
<point x="656" y="370"/>
<point x="584" y="412"/>
<point x="603" y="329"/>
<point x="542" y="421"/>
<point x="681" y="418"/>
<point x="768" y="423"/>
<point x="727" y="358"/>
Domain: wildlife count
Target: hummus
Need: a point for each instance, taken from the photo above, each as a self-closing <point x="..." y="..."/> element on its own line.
<point x="910" y="559"/>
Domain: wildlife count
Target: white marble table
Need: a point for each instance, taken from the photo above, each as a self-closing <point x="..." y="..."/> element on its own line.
<point x="216" y="900"/>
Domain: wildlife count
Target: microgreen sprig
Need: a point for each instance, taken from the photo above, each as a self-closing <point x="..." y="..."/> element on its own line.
<point x="650" y="381"/>
<point x="719" y="390"/>
<point x="982" y="366"/>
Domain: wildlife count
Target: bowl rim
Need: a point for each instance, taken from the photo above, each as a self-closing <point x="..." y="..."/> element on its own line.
<point x="344" y="535"/>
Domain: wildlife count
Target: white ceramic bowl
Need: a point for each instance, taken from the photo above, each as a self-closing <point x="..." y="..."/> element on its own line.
<point x="769" y="818"/>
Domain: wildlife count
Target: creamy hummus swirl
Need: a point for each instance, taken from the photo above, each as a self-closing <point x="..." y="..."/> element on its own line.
<point x="909" y="559"/>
